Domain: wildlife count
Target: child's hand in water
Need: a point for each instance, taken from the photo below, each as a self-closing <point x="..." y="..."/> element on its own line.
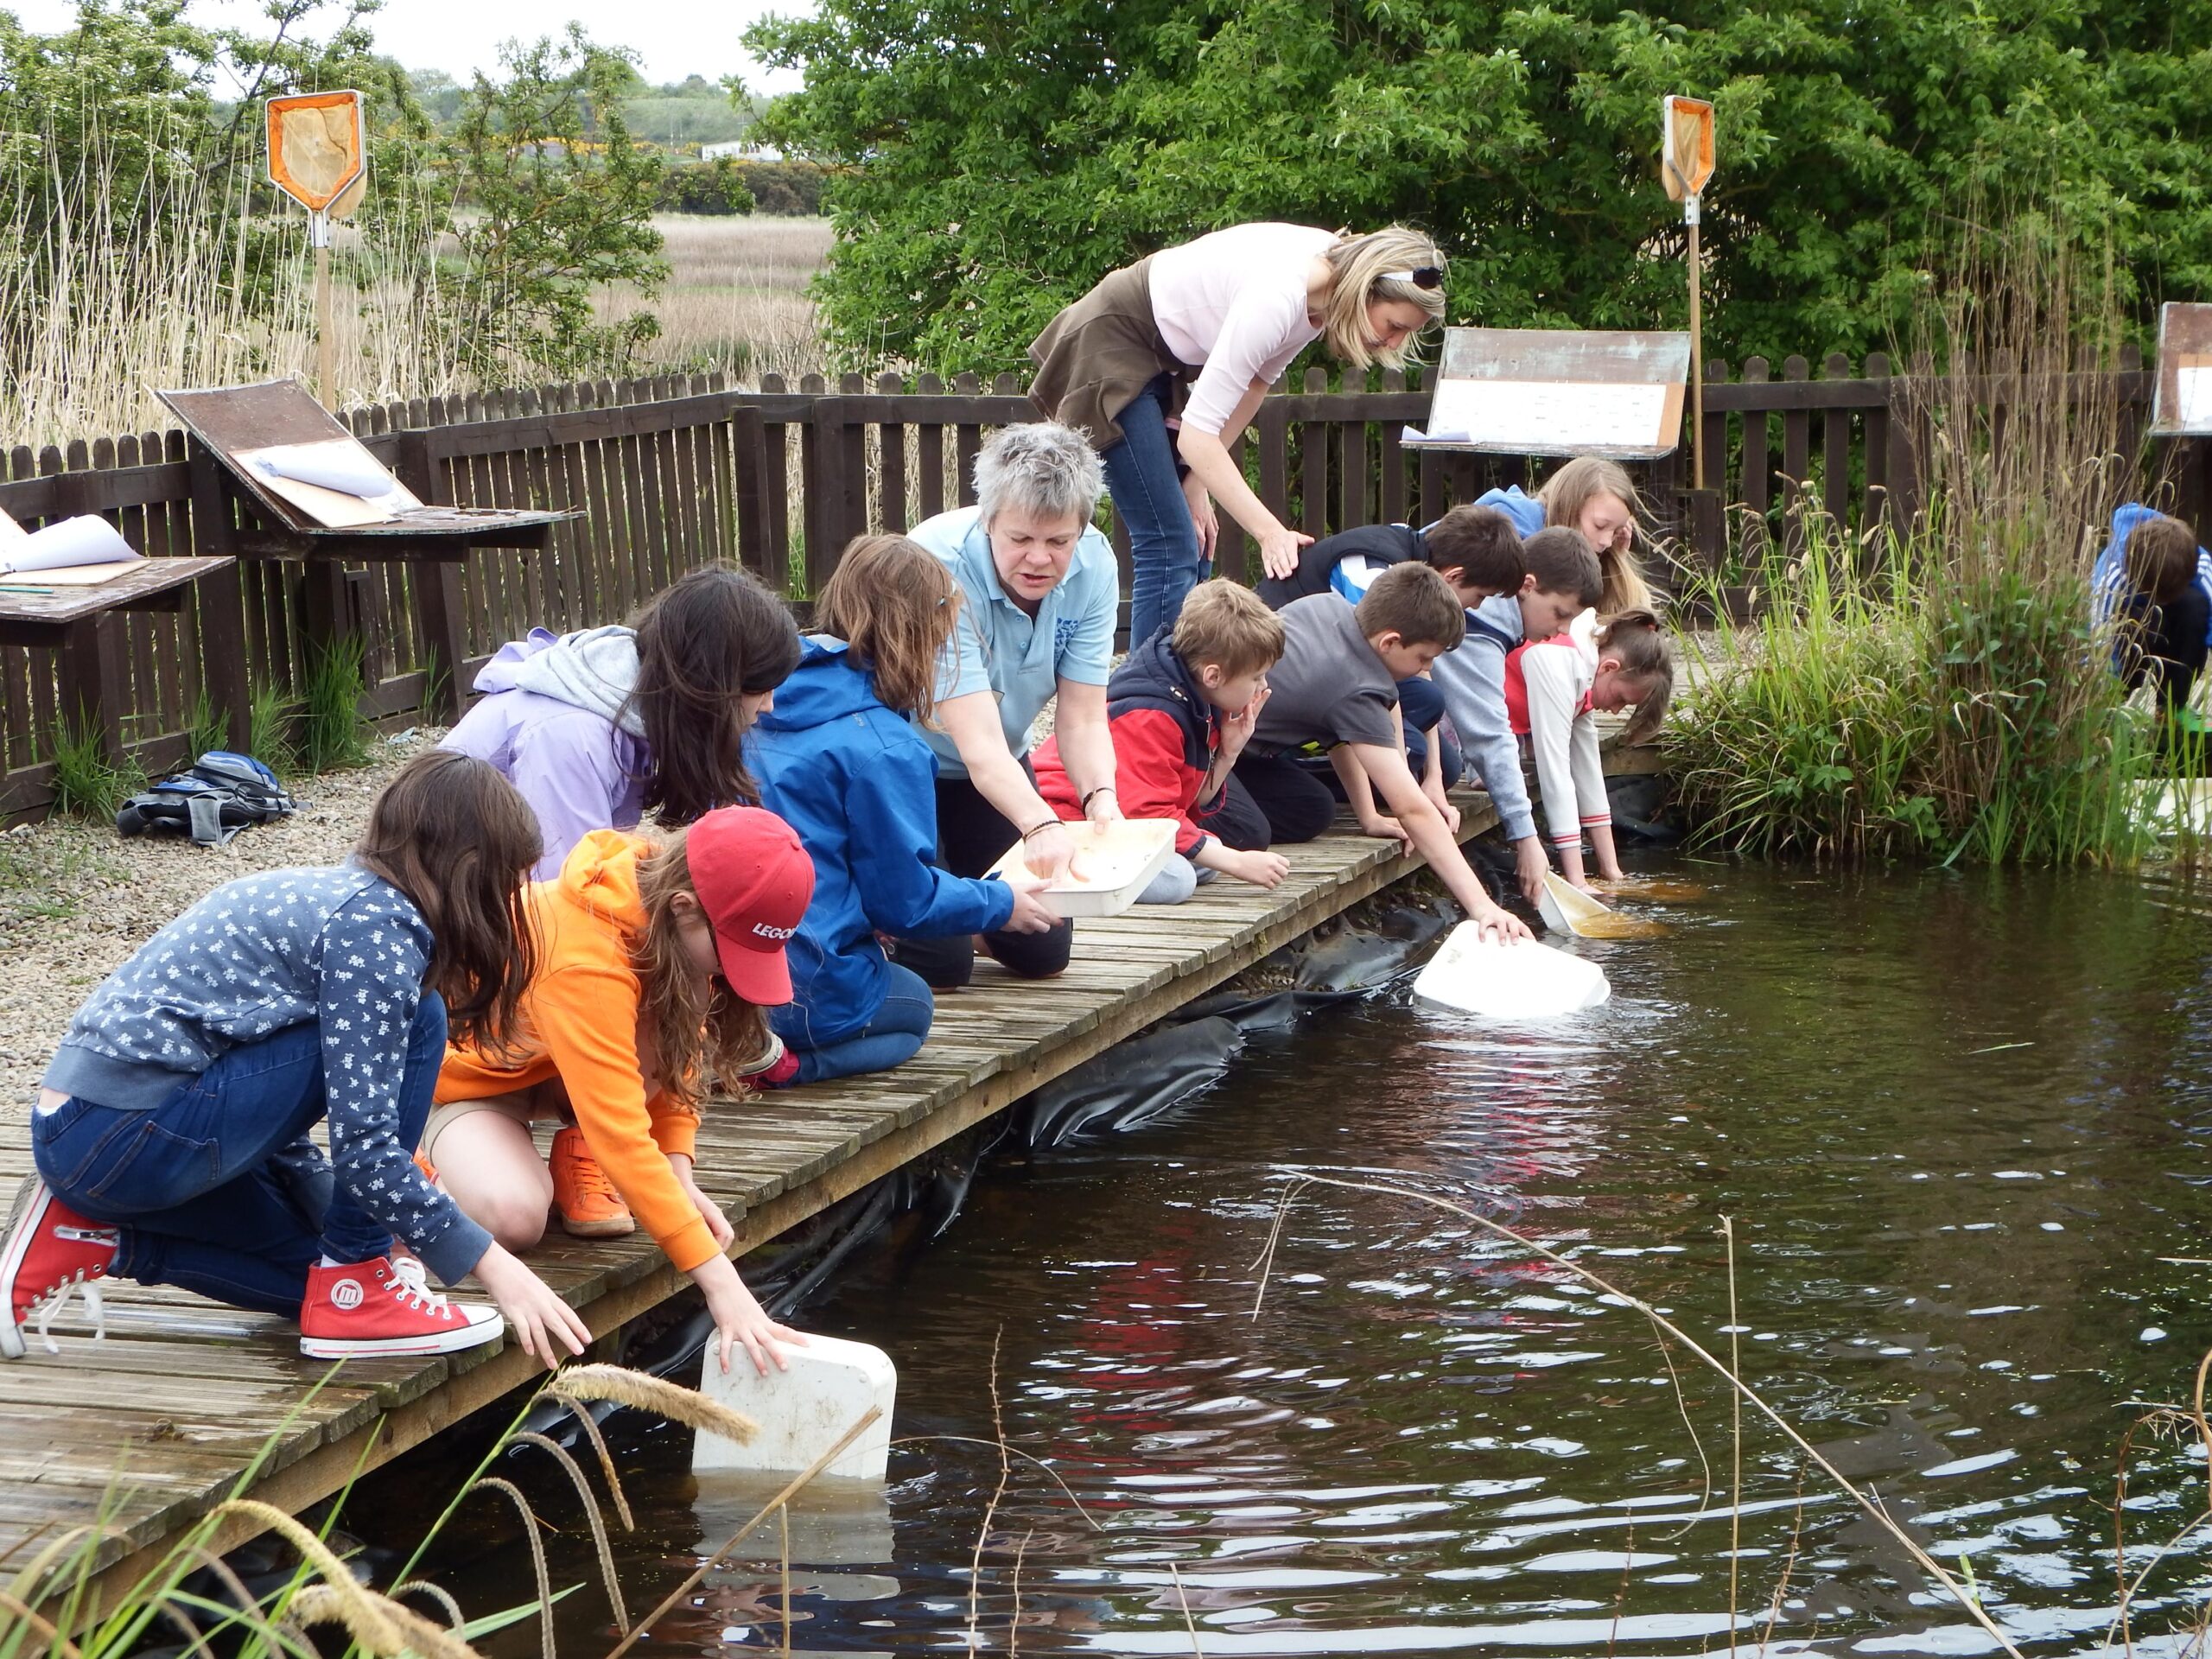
<point x="1501" y="926"/>
<point x="740" y="1318"/>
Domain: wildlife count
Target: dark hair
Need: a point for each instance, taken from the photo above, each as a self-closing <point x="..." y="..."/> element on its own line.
<point x="894" y="604"/>
<point x="1481" y="544"/>
<point x="2161" y="558"/>
<point x="705" y="640"/>
<point x="459" y="840"/>
<point x="1414" y="603"/>
<point x="1561" y="562"/>
<point x="1633" y="639"/>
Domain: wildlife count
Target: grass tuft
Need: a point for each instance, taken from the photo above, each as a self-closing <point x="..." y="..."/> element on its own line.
<point x="332" y="732"/>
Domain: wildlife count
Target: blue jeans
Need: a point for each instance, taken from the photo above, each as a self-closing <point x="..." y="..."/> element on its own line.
<point x="1420" y="704"/>
<point x="1163" y="541"/>
<point x="890" y="1038"/>
<point x="202" y="1184"/>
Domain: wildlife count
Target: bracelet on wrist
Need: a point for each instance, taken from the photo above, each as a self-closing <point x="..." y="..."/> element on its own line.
<point x="1040" y="829"/>
<point x="1102" y="789"/>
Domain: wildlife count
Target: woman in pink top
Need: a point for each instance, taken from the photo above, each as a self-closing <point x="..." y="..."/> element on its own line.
<point x="1226" y="313"/>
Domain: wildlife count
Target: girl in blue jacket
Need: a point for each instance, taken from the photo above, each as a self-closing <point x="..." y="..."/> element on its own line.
<point x="838" y="758"/>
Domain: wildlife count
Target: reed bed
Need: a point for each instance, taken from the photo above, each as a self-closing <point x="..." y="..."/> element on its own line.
<point x="1937" y="688"/>
<point x="736" y="296"/>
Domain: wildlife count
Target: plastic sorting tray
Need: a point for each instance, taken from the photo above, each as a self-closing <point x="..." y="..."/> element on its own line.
<point x="1113" y="863"/>
<point x="1510" y="981"/>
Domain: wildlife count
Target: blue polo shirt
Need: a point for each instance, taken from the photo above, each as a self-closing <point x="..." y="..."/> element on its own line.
<point x="998" y="647"/>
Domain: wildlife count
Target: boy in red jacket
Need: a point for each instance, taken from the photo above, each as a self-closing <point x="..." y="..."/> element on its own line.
<point x="1181" y="710"/>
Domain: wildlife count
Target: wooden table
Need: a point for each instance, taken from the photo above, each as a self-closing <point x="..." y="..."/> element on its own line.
<point x="85" y="625"/>
<point x="435" y="542"/>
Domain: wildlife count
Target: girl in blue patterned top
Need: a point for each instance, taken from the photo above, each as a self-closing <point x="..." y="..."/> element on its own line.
<point x="171" y="1133"/>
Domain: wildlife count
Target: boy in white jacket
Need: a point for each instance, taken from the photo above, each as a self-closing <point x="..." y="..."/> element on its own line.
<point x="1551" y="688"/>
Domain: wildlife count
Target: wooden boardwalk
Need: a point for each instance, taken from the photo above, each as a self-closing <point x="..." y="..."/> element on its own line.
<point x="149" y="1428"/>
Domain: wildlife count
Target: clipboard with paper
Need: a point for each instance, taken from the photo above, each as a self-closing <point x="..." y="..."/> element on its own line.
<point x="1549" y="391"/>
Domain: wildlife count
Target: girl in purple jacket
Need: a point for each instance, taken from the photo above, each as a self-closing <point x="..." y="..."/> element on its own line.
<point x="598" y="728"/>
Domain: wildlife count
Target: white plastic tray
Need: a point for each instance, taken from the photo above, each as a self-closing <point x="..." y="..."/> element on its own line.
<point x="1113" y="863"/>
<point x="1510" y="981"/>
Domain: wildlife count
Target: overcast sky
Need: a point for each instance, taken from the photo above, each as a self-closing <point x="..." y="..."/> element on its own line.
<point x="674" y="38"/>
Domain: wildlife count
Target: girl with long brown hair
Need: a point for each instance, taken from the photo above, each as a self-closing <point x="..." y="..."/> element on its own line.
<point x="599" y="727"/>
<point x="170" y="1136"/>
<point x="838" y="758"/>
<point x="657" y="956"/>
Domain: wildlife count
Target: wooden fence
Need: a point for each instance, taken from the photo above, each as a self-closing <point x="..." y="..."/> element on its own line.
<point x="671" y="472"/>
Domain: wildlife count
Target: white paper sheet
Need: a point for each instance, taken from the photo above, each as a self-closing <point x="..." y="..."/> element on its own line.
<point x="294" y="472"/>
<point x="2193" y="395"/>
<point x="88" y="539"/>
<point x="332" y="466"/>
<point x="1546" y="416"/>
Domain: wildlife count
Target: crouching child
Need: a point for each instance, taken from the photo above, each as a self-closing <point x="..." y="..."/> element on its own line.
<point x="1181" y="710"/>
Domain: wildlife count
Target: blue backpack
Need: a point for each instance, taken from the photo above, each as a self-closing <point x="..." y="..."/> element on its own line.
<point x="220" y="795"/>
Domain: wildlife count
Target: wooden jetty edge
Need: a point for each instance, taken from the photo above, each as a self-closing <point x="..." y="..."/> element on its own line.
<point x="144" y="1432"/>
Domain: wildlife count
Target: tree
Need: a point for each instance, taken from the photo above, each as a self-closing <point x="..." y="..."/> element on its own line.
<point x="557" y="199"/>
<point x="995" y="158"/>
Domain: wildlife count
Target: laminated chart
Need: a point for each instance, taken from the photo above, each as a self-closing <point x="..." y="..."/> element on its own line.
<point x="1551" y="391"/>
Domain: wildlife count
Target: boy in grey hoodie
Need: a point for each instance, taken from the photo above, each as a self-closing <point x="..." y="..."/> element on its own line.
<point x="1562" y="581"/>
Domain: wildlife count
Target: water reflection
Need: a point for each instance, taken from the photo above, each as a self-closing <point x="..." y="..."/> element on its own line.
<point x="1959" y="1122"/>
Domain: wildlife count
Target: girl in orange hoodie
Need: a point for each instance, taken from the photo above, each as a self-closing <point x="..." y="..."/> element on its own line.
<point x="656" y="957"/>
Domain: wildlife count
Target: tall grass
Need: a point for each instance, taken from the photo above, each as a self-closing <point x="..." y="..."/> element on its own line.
<point x="1940" y="689"/>
<point x="104" y="300"/>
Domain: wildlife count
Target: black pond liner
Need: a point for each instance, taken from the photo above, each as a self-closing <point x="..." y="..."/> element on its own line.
<point x="1137" y="1083"/>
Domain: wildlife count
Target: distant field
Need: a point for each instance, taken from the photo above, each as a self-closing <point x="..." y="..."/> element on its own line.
<point x="736" y="295"/>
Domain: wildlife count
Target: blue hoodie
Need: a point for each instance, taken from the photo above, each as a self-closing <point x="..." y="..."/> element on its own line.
<point x="1526" y="511"/>
<point x="2108" y="576"/>
<point x="860" y="786"/>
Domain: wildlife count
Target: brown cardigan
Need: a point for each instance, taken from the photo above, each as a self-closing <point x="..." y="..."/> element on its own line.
<point x="1095" y="357"/>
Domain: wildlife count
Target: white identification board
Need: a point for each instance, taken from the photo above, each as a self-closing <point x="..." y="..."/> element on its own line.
<point x="1537" y="416"/>
<point x="2182" y="404"/>
<point x="1112" y="864"/>
<point x="1548" y="391"/>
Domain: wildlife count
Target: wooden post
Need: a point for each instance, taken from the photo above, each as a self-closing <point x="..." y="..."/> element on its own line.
<point x="325" y="349"/>
<point x="1697" y="354"/>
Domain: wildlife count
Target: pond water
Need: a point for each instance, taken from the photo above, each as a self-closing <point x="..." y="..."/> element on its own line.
<point x="1958" y="1122"/>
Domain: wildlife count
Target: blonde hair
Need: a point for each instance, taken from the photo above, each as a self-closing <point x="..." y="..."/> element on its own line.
<point x="1572" y="488"/>
<point x="1224" y="623"/>
<point x="694" y="1027"/>
<point x="1633" y="639"/>
<point x="1359" y="269"/>
<point x="893" y="604"/>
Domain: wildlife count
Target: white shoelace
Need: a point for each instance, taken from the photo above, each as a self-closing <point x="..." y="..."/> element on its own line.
<point x="411" y="1281"/>
<point x="55" y="1300"/>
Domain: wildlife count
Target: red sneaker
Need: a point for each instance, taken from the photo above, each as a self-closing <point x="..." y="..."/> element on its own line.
<point x="49" y="1250"/>
<point x="363" y="1308"/>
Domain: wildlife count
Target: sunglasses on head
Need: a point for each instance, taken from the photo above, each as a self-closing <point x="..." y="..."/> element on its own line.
<point x="1419" y="276"/>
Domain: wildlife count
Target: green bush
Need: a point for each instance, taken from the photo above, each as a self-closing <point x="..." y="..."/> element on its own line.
<point x="716" y="187"/>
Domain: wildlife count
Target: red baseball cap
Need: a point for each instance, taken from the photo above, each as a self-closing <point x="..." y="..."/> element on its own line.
<point x="753" y="881"/>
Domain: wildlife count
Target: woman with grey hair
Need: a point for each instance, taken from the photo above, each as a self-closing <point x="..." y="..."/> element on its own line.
<point x="1040" y="593"/>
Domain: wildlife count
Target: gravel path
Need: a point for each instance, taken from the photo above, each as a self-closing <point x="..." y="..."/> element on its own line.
<point x="76" y="900"/>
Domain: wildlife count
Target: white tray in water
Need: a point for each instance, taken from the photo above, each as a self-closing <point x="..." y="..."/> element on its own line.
<point x="1565" y="907"/>
<point x="1113" y="863"/>
<point x="1526" y="981"/>
<point x="802" y="1411"/>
